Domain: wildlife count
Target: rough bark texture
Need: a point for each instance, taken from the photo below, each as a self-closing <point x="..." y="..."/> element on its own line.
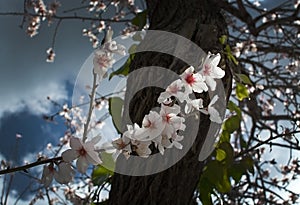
<point x="201" y="22"/>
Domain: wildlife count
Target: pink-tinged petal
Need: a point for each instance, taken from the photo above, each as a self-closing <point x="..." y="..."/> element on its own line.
<point x="93" y="158"/>
<point x="211" y="83"/>
<point x="65" y="173"/>
<point x="82" y="164"/>
<point x="187" y="90"/>
<point x="214" y="115"/>
<point x="47" y="175"/>
<point x="168" y="131"/>
<point x="89" y="146"/>
<point x="187" y="72"/>
<point x="215" y="59"/>
<point x="143" y="149"/>
<point x="199" y="87"/>
<point x="177" y="122"/>
<point x="69" y="155"/>
<point x="95" y="140"/>
<point x="218" y="72"/>
<point x="175" y="87"/>
<point x="163" y="97"/>
<point x="75" y="143"/>
<point x="152" y="127"/>
<point x="118" y="144"/>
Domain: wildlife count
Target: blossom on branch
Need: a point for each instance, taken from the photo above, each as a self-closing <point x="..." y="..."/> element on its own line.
<point x="213" y="113"/>
<point x="122" y="145"/>
<point x="193" y="81"/>
<point x="171" y="121"/>
<point x="102" y="61"/>
<point x="193" y="104"/>
<point x="84" y="153"/>
<point x="210" y="70"/>
<point x="174" y="89"/>
<point x="64" y="174"/>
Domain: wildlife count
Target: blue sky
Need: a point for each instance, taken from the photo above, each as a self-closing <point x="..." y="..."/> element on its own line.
<point x="26" y="80"/>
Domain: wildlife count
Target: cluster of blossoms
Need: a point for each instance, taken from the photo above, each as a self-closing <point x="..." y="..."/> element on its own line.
<point x="162" y="128"/>
<point x="42" y="13"/>
<point x="85" y="154"/>
<point x="104" y="57"/>
<point x="96" y="5"/>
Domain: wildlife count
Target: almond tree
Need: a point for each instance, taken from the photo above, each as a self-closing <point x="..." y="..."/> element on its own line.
<point x="259" y="51"/>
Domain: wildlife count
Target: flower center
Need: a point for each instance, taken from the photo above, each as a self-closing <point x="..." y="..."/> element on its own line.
<point x="207" y="69"/>
<point x="167" y="118"/>
<point x="190" y="79"/>
<point x="82" y="152"/>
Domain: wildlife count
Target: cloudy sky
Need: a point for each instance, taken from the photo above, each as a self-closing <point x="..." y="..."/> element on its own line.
<point x="26" y="79"/>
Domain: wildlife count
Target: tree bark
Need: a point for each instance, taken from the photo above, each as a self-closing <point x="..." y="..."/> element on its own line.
<point x="201" y="22"/>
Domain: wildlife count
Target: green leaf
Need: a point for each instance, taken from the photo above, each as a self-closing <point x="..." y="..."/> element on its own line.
<point x="226" y="149"/>
<point x="100" y="175"/>
<point x="239" y="168"/>
<point x="132" y="49"/>
<point x="216" y="174"/>
<point x="115" y="110"/>
<point x="241" y="91"/>
<point x="140" y="19"/>
<point x="205" y="189"/>
<point x="236" y="171"/>
<point x="232" y="124"/>
<point x="123" y="70"/>
<point x="221" y="155"/>
<point x="230" y="56"/>
<point x="137" y="37"/>
<point x="234" y="108"/>
<point x="108" y="161"/>
<point x="223" y="39"/>
<point x="248" y="163"/>
<point x="225" y="136"/>
<point x="244" y="79"/>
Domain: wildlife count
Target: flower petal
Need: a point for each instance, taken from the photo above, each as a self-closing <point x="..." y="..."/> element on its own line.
<point x="93" y="158"/>
<point x="214" y="115"/>
<point x="211" y="83"/>
<point x="82" y="164"/>
<point x="69" y="155"/>
<point x="75" y="143"/>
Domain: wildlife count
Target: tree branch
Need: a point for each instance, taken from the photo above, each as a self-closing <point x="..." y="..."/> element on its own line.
<point x="27" y="166"/>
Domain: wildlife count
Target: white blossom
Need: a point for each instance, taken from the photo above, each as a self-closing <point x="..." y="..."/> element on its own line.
<point x="211" y="71"/>
<point x="174" y="89"/>
<point x="84" y="153"/>
<point x="193" y="81"/>
<point x="214" y="115"/>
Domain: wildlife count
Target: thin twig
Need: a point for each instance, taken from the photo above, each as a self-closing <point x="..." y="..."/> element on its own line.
<point x="27" y="166"/>
<point x="91" y="107"/>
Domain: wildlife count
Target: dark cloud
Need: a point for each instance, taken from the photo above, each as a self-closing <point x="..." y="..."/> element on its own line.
<point x="26" y="79"/>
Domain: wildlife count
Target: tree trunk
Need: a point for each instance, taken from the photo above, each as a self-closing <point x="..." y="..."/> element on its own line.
<point x="201" y="22"/>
